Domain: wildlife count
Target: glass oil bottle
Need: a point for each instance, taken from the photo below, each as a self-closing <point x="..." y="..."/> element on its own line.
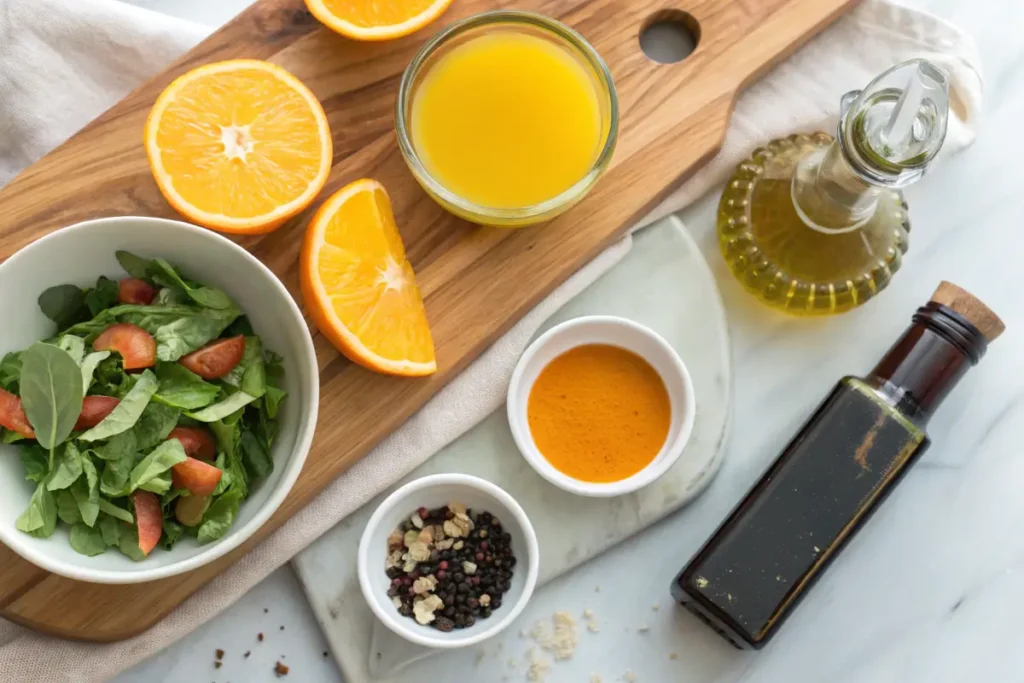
<point x="812" y="224"/>
<point x="852" y="452"/>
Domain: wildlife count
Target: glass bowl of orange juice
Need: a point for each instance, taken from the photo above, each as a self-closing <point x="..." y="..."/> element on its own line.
<point x="507" y="118"/>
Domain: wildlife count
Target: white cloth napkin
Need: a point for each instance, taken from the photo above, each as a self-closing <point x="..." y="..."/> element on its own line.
<point x="64" y="61"/>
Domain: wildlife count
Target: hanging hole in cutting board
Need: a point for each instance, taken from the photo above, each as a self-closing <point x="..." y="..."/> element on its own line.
<point x="670" y="36"/>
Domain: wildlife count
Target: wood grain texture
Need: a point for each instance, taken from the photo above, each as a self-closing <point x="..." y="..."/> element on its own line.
<point x="476" y="281"/>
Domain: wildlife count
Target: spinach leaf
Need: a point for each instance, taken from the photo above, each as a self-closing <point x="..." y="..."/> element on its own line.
<point x="63" y="304"/>
<point x="241" y="326"/>
<point x="9" y="437"/>
<point x="110" y="530"/>
<point x="156" y="423"/>
<point x="114" y="481"/>
<point x="219" y="516"/>
<point x="128" y="543"/>
<point x="172" y="532"/>
<point x="163" y="274"/>
<point x="181" y="388"/>
<point x="124" y="416"/>
<point x="219" y="411"/>
<point x="87" y="540"/>
<point x="75" y="346"/>
<point x="112" y="510"/>
<point x="160" y="484"/>
<point x="86" y="491"/>
<point x="170" y="297"/>
<point x="103" y="296"/>
<point x="51" y="393"/>
<point x="40" y="519"/>
<point x="256" y="455"/>
<point x="250" y="373"/>
<point x="10" y="371"/>
<point x="136" y="266"/>
<point x="67" y="508"/>
<point x="148" y="318"/>
<point x="186" y="334"/>
<point x="34" y="463"/>
<point x="89" y="365"/>
<point x="120" y="446"/>
<point x="108" y="377"/>
<point x="275" y="381"/>
<point x="163" y="458"/>
<point x="68" y="468"/>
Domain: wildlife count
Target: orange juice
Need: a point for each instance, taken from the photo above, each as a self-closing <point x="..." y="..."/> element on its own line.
<point x="508" y="120"/>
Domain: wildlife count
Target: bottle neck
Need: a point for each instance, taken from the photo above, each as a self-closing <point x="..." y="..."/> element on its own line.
<point x="829" y="195"/>
<point x="924" y="365"/>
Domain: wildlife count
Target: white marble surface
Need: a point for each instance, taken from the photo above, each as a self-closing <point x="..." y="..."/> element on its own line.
<point x="929" y="592"/>
<point x="664" y="283"/>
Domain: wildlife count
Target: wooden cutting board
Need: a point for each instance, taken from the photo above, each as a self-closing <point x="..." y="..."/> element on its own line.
<point x="477" y="281"/>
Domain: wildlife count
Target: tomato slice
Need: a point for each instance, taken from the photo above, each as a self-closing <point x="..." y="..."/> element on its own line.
<point x="132" y="290"/>
<point x="216" y="359"/>
<point x="136" y="346"/>
<point x="12" y="415"/>
<point x="94" y="410"/>
<point x="198" y="477"/>
<point x="197" y="442"/>
<point x="149" y="519"/>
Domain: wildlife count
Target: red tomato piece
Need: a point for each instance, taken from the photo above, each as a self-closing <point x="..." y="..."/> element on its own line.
<point x="132" y="290"/>
<point x="216" y="359"/>
<point x="94" y="410"/>
<point x="198" y="477"/>
<point x="136" y="346"/>
<point x="149" y="519"/>
<point x="197" y="442"/>
<point x="12" y="415"/>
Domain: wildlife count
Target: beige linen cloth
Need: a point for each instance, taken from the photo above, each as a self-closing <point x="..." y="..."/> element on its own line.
<point x="64" y="61"/>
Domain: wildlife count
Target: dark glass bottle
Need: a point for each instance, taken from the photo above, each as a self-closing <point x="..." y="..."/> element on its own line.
<point x="831" y="477"/>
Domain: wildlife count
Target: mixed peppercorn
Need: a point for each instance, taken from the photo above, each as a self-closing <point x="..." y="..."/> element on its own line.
<point x="449" y="566"/>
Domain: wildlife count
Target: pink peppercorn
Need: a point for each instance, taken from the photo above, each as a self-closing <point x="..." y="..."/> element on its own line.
<point x="440" y="574"/>
<point x="443" y="564"/>
<point x="422" y="512"/>
<point x="396" y="583"/>
<point x="479" y="557"/>
<point x="483" y="545"/>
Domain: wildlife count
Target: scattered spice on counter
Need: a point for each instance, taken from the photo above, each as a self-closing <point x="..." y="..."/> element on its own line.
<point x="449" y="567"/>
<point x="326" y="654"/>
<point x="656" y="606"/>
<point x="597" y="589"/>
<point x="259" y="637"/>
<point x="538" y="666"/>
<point x="643" y="629"/>
<point x="265" y="610"/>
<point x="559" y="637"/>
<point x="280" y="669"/>
<point x="282" y="628"/>
<point x="217" y="665"/>
<point x="220" y="654"/>
<point x="594" y="678"/>
<point x="629" y="677"/>
<point x="673" y="656"/>
<point x="246" y="654"/>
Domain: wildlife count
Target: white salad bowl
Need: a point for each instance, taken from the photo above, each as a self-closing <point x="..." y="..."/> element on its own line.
<point x="78" y="255"/>
<point x="614" y="331"/>
<point x="433" y="492"/>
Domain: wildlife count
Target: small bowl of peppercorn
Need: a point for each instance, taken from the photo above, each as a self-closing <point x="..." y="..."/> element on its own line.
<point x="448" y="561"/>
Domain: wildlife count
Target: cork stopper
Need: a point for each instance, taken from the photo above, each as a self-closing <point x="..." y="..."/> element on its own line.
<point x="971" y="308"/>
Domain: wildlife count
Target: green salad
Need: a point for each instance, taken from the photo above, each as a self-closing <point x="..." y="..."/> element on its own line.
<point x="149" y="415"/>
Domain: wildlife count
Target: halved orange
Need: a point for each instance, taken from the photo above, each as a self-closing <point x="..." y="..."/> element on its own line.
<point x="376" y="19"/>
<point x="359" y="287"/>
<point x="239" y="146"/>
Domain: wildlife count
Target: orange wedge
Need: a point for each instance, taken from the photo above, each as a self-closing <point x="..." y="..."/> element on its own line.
<point x="238" y="146"/>
<point x="358" y="286"/>
<point x="376" y="19"/>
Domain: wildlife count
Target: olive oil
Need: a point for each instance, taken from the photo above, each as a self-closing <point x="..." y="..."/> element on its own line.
<point x="812" y="224"/>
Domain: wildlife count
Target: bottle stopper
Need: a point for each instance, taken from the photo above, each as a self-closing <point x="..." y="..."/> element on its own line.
<point x="971" y="308"/>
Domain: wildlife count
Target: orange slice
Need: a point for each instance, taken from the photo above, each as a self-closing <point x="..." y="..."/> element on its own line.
<point x="376" y="19"/>
<point x="238" y="146"/>
<point x="358" y="286"/>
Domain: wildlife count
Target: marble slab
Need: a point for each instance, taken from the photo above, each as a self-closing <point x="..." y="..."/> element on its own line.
<point x="664" y="283"/>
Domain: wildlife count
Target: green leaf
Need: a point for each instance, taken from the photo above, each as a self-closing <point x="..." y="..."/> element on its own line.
<point x="120" y="446"/>
<point x="181" y="388"/>
<point x="103" y="296"/>
<point x="10" y="371"/>
<point x="160" y="484"/>
<point x="136" y="266"/>
<point x="68" y="468"/>
<point x="86" y="492"/>
<point x="63" y="304"/>
<point x="219" y="517"/>
<point x="51" y="393"/>
<point x="40" y="519"/>
<point x="164" y="274"/>
<point x="163" y="458"/>
<point x="114" y="481"/>
<point x="111" y="529"/>
<point x="128" y="543"/>
<point x="256" y="455"/>
<point x="186" y="334"/>
<point x="87" y="540"/>
<point x="172" y="532"/>
<point x="241" y="326"/>
<point x="124" y="416"/>
<point x="67" y="508"/>
<point x="275" y="381"/>
<point x="89" y="365"/>
<point x="120" y="513"/>
<point x="75" y="346"/>
<point x="35" y="462"/>
<point x="156" y="423"/>
<point x="250" y="373"/>
<point x="219" y="411"/>
<point x="166" y="296"/>
<point x="8" y="437"/>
